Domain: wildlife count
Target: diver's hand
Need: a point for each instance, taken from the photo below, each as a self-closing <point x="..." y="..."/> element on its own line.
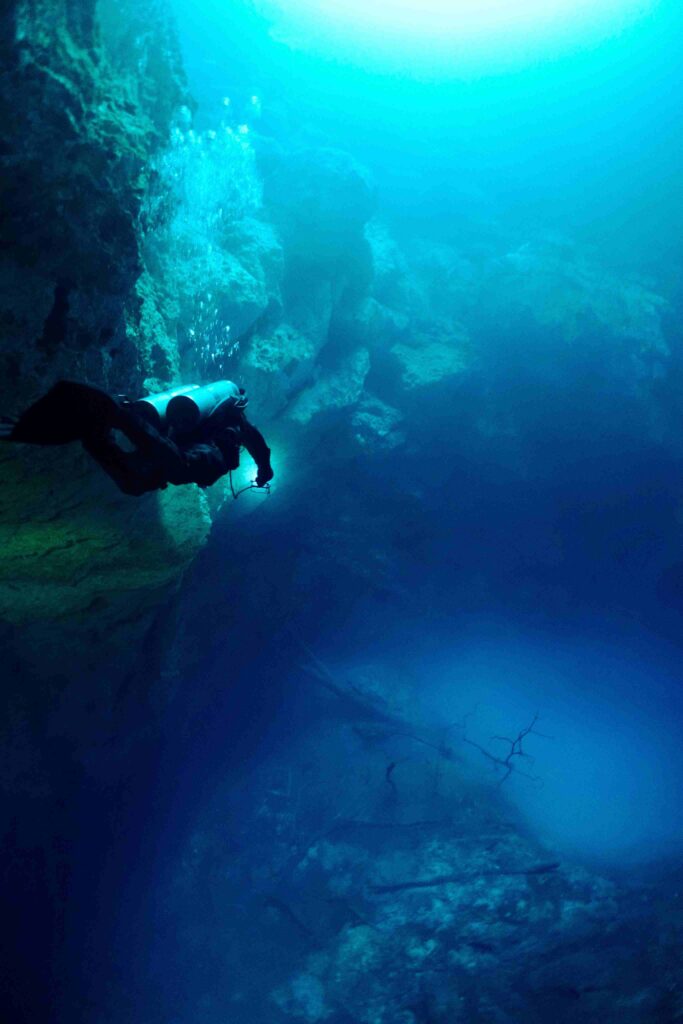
<point x="264" y="476"/>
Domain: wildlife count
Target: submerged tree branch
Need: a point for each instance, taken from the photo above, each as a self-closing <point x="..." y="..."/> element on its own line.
<point x="426" y="883"/>
<point x="366" y="707"/>
<point x="508" y="763"/>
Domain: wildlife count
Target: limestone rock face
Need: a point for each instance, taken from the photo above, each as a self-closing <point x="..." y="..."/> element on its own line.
<point x="394" y="285"/>
<point x="142" y="46"/>
<point x="563" y="286"/>
<point x="320" y="199"/>
<point x="75" y="145"/>
<point x="217" y="266"/>
<point x="83" y="576"/>
<point x="377" y="326"/>
<point x="429" y="359"/>
<point x="277" y="364"/>
<point x="219" y="278"/>
<point x="336" y="389"/>
<point x="82" y="112"/>
<point x="71" y="543"/>
<point x="571" y="298"/>
<point x="376" y="425"/>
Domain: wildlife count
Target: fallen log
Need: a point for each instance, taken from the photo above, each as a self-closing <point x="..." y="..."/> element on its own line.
<point x="426" y="883"/>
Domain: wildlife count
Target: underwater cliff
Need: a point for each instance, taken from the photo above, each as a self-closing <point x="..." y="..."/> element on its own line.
<point x="397" y="741"/>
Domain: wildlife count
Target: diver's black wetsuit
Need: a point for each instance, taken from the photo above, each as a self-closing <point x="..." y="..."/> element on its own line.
<point x="79" y="412"/>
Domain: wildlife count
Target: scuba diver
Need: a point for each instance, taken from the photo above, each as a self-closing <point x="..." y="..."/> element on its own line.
<point x="190" y="434"/>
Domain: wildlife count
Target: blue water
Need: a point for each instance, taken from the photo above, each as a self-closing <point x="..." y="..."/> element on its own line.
<point x="585" y="141"/>
<point x="529" y="571"/>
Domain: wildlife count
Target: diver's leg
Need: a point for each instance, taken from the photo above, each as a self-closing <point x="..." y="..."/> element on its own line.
<point x="130" y="474"/>
<point x="138" y="431"/>
<point x="78" y="412"/>
<point x="158" y="450"/>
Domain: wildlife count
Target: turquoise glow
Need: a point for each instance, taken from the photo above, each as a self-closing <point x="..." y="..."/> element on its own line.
<point x="448" y="34"/>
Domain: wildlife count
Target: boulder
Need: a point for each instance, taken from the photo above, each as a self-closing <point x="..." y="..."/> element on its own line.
<point x="374" y="325"/>
<point x="334" y="389"/>
<point x="433" y="357"/>
<point x="571" y="297"/>
<point x="275" y="365"/>
<point x="319" y="198"/>
<point x="319" y="201"/>
<point x="376" y="425"/>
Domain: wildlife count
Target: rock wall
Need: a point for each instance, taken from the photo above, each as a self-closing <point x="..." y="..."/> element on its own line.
<point x="86" y="100"/>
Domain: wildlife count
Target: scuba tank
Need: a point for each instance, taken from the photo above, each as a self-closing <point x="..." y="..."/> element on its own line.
<point x="186" y="411"/>
<point x="153" y="408"/>
<point x="184" y="408"/>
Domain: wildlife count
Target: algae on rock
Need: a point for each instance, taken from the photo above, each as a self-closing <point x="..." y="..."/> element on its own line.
<point x="81" y="117"/>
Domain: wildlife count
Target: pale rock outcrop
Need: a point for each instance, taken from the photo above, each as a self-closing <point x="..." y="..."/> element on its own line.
<point x="571" y="296"/>
<point x="336" y="389"/>
<point x="277" y="364"/>
<point x="376" y="425"/>
<point x="433" y="357"/>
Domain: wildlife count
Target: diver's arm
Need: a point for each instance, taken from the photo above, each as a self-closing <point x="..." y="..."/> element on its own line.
<point x="254" y="441"/>
<point x="201" y="464"/>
